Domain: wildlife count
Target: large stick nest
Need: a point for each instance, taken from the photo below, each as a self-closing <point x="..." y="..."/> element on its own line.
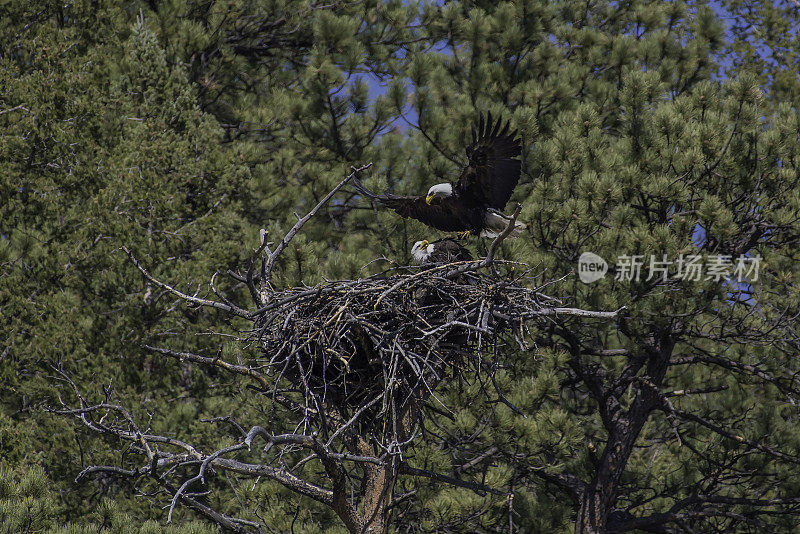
<point x="351" y="342"/>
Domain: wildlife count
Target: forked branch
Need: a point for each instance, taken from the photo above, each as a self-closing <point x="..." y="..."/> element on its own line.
<point x="273" y="256"/>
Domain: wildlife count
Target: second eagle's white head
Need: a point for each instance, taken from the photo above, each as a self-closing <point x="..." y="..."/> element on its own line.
<point x="439" y="191"/>
<point x="421" y="251"/>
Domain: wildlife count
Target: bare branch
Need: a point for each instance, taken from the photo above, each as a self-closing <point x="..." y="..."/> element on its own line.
<point x="216" y="362"/>
<point x="480" y="489"/>
<point x="503" y="235"/>
<point x="731" y="435"/>
<point x="194" y="300"/>
<point x="250" y="268"/>
<point x="299" y="224"/>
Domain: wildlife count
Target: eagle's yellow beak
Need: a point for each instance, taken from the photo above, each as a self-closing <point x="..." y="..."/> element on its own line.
<point x="428" y="199"/>
<point x="424" y="244"/>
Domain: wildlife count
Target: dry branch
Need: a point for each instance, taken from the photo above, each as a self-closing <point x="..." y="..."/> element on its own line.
<point x="300" y="223"/>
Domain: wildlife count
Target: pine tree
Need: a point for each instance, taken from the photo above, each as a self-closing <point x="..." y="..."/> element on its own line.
<point x="100" y="152"/>
<point x="181" y="130"/>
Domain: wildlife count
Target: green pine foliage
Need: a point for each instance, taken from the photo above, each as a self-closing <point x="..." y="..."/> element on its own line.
<point x="181" y="129"/>
<point x="28" y="505"/>
<point x="102" y="154"/>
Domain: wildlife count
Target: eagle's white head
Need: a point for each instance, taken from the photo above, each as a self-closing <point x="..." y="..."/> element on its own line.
<point x="439" y="191"/>
<point x="421" y="251"/>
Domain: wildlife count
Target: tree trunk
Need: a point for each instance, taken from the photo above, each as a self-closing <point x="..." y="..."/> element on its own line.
<point x="379" y="480"/>
<point x="379" y="486"/>
<point x="592" y="514"/>
<point x="599" y="498"/>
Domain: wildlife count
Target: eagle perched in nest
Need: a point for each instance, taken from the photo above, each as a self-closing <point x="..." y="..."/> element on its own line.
<point x="472" y="204"/>
<point x="441" y="251"/>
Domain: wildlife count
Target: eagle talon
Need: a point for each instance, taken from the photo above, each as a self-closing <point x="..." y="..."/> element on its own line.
<point x="463" y="235"/>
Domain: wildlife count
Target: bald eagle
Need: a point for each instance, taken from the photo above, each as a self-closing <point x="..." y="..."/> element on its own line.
<point x="472" y="204"/>
<point x="441" y="251"/>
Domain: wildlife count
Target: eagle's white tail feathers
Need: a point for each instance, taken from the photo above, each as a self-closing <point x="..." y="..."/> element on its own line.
<point x="496" y="223"/>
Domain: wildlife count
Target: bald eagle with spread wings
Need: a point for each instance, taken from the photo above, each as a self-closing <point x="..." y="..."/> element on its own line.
<point x="472" y="204"/>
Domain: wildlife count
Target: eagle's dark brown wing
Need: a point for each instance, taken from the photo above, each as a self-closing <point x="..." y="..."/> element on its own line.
<point x="445" y="214"/>
<point x="492" y="172"/>
<point x="442" y="215"/>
